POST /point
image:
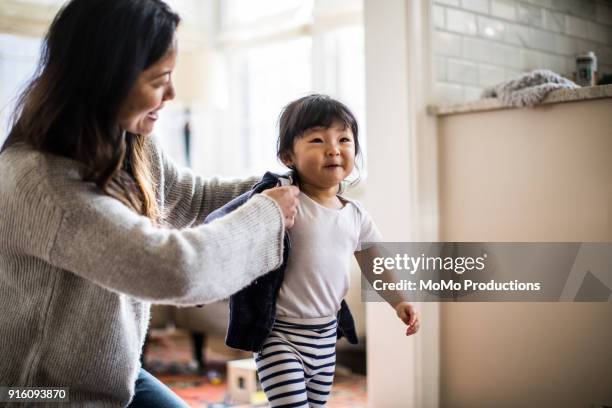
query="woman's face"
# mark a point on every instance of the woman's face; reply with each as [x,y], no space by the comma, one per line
[140,110]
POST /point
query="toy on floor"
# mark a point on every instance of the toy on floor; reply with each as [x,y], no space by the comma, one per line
[214,377]
[242,383]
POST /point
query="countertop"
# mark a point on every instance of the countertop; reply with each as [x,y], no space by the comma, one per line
[559,96]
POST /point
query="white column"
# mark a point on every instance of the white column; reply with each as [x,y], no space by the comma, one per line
[401,191]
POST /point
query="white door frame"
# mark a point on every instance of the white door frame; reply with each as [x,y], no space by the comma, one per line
[401,191]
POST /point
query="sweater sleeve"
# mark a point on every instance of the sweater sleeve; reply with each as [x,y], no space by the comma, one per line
[103,241]
[187,198]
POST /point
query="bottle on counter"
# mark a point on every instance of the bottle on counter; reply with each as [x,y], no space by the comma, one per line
[586,69]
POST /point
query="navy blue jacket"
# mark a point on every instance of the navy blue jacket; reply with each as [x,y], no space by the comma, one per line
[253,309]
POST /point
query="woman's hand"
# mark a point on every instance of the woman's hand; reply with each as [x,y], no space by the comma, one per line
[407,314]
[286,198]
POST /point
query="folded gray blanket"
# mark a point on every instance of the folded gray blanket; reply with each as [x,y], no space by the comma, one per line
[528,89]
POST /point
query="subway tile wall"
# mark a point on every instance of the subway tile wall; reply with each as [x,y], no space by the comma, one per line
[480,43]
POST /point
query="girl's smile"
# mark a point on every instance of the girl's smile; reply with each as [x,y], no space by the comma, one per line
[333,166]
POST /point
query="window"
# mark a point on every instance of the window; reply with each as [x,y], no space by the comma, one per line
[242,61]
[18,59]
[268,53]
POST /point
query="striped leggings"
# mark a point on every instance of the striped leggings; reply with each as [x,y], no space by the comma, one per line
[297,362]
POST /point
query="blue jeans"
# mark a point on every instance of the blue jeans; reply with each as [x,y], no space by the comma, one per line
[150,392]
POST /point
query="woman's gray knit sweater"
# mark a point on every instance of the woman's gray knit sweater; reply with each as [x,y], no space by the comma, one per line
[79,270]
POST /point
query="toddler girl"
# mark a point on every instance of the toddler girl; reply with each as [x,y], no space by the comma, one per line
[292,317]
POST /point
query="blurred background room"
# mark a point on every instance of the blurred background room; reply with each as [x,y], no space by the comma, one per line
[440,163]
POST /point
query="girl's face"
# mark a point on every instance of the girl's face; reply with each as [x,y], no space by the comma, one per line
[324,157]
[140,110]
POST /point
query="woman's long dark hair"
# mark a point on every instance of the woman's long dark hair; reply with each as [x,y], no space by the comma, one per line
[92,56]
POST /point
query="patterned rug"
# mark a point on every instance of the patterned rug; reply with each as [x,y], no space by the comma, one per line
[168,357]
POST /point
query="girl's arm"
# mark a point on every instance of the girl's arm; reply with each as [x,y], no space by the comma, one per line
[404,309]
[188,198]
[365,255]
[365,259]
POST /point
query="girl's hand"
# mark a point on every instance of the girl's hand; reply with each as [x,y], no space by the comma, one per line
[407,314]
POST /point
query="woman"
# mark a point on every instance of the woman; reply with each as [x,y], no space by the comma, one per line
[97,222]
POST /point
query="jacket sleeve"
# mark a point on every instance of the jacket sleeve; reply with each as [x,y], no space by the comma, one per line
[228,208]
[103,241]
[186,197]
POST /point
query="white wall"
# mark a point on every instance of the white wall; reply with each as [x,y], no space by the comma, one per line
[478,43]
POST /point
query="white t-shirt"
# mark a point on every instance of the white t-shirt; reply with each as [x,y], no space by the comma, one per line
[323,241]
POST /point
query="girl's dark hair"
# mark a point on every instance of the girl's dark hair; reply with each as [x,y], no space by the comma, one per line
[91,57]
[311,111]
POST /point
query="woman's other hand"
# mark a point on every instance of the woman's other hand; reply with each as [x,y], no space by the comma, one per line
[287,199]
